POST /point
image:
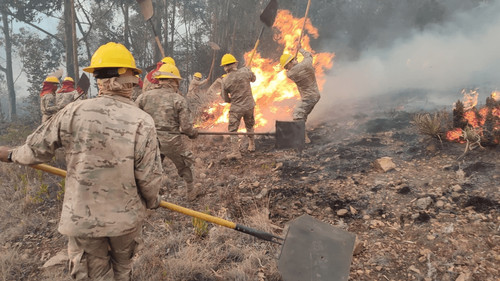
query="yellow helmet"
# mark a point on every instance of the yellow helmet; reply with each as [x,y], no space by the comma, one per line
[197,74]
[69,79]
[285,59]
[168,60]
[168,71]
[224,75]
[51,79]
[112,55]
[227,59]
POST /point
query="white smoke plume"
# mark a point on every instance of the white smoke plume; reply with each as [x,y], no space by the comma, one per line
[440,61]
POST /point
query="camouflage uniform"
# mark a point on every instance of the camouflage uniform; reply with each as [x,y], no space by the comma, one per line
[64,98]
[237,91]
[170,113]
[48,106]
[196,99]
[303,74]
[114,173]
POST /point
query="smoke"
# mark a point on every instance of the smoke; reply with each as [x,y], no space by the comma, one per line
[440,60]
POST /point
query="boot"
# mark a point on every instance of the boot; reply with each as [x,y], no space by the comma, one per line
[251,144]
[235,149]
[307,140]
[191,192]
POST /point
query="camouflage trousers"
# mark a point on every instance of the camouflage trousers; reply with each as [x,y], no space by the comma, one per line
[303,109]
[235,119]
[102,258]
[45,117]
[172,147]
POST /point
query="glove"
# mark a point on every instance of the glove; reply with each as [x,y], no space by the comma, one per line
[194,134]
[154,204]
[4,154]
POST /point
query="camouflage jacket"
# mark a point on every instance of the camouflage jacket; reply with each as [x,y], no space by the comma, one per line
[114,169]
[169,110]
[48,104]
[63,99]
[304,76]
[194,87]
[236,89]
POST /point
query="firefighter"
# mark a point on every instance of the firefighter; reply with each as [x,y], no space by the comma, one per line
[67,93]
[171,115]
[114,170]
[149,81]
[137,91]
[237,91]
[195,97]
[304,76]
[48,104]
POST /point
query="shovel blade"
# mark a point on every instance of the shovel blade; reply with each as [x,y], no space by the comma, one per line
[146,7]
[269,14]
[290,134]
[83,83]
[315,251]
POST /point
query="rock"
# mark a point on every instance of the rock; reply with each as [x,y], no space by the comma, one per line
[59,258]
[423,203]
[414,269]
[456,188]
[255,184]
[314,189]
[353,211]
[439,204]
[278,166]
[202,175]
[262,193]
[385,164]
[342,212]
[359,246]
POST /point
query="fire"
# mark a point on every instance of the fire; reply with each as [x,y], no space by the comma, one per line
[275,95]
[485,121]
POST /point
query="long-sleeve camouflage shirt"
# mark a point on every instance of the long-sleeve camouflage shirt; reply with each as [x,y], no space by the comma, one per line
[304,76]
[63,99]
[114,169]
[194,87]
[168,108]
[48,104]
[236,89]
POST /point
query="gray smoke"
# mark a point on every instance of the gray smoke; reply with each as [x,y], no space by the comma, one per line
[439,61]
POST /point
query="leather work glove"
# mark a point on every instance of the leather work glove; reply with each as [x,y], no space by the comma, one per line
[5,154]
[194,134]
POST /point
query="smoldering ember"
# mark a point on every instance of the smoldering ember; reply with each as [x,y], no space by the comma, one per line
[393,175]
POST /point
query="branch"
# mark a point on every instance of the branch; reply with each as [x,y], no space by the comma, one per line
[3,69]
[32,25]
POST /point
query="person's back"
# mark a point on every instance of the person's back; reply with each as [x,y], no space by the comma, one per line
[100,137]
[237,84]
[304,76]
[165,106]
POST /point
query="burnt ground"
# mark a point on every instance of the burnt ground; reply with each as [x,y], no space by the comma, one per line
[433,217]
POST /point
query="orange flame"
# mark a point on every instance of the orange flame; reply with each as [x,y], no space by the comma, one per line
[275,95]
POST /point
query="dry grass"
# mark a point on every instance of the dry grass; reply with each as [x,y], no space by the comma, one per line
[224,254]
[433,125]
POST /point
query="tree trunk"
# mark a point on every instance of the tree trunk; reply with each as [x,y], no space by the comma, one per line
[172,28]
[74,42]
[68,39]
[8,69]
[125,8]
[165,27]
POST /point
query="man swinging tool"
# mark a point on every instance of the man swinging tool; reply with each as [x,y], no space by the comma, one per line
[114,168]
[303,74]
[237,91]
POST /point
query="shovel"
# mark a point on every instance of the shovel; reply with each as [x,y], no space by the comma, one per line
[311,250]
[288,134]
[215,48]
[147,11]
[303,26]
[83,85]
[267,17]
